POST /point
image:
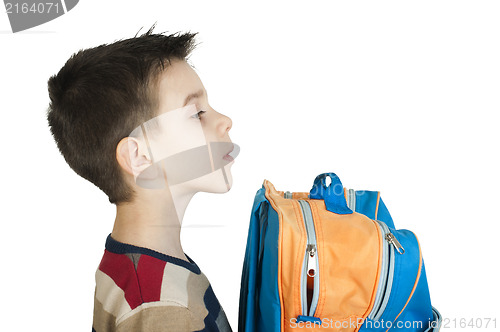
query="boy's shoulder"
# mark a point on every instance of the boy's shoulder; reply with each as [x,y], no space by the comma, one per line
[132,282]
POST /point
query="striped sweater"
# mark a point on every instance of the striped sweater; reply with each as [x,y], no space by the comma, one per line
[139,289]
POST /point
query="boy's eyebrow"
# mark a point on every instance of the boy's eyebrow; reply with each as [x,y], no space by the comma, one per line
[193,95]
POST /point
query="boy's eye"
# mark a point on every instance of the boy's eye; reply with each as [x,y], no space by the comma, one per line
[198,115]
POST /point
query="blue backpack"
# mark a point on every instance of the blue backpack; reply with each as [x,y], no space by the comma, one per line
[331,258]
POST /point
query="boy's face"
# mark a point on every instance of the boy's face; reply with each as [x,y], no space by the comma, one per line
[188,142]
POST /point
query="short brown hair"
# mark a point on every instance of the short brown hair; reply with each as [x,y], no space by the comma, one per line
[101,94]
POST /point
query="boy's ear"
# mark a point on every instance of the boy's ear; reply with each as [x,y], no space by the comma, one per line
[132,156]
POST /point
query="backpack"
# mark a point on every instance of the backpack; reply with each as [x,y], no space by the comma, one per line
[331,258]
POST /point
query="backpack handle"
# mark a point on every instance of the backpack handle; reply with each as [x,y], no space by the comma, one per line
[333,194]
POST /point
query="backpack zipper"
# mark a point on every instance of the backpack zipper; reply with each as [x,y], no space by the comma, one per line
[310,264]
[391,244]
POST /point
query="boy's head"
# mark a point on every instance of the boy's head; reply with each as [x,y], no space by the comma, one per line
[102,94]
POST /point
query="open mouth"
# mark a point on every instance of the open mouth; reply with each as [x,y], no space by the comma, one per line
[228,156]
[223,153]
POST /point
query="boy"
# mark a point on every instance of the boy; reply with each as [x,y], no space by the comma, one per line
[133,118]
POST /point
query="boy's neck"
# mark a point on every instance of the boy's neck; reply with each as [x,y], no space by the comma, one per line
[152,222]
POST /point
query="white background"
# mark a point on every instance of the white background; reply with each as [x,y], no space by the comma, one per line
[395,96]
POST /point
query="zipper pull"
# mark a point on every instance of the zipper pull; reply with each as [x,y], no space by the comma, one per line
[311,260]
[392,240]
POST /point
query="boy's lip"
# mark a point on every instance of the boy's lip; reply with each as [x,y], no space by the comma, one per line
[227,156]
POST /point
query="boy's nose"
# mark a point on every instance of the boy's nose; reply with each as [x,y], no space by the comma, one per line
[225,124]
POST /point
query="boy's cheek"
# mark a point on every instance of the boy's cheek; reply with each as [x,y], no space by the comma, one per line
[174,132]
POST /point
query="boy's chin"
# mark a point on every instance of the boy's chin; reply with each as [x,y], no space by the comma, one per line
[220,188]
[217,182]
